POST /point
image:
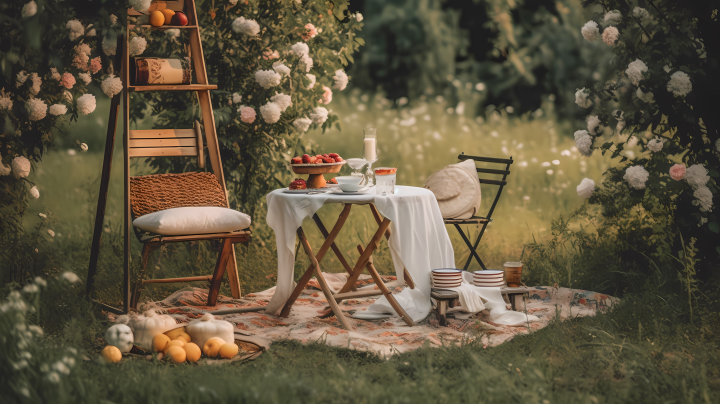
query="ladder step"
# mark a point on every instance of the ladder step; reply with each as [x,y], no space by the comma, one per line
[174,87]
[361,293]
[175,280]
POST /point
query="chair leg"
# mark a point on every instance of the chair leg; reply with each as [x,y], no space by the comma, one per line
[473,248]
[442,309]
[137,287]
[220,267]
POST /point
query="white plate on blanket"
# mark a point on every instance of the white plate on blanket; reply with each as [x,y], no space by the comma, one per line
[363,315]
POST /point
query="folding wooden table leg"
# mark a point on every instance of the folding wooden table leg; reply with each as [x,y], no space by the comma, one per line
[388,233]
[365,256]
[388,295]
[334,247]
[321,281]
[321,253]
[220,267]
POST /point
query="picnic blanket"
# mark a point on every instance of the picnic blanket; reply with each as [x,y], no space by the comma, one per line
[381,336]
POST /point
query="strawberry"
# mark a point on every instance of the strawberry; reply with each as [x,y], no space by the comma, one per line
[338,159]
[333,155]
[333,181]
[296,160]
[328,160]
[306,159]
[311,160]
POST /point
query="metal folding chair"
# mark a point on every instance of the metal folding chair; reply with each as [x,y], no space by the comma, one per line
[479,220]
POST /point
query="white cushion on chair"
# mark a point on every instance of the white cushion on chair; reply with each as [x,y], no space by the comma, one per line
[193,220]
[457,190]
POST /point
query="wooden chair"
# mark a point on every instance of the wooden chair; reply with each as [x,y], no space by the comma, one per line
[479,220]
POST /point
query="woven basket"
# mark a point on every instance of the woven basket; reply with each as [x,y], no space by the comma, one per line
[151,193]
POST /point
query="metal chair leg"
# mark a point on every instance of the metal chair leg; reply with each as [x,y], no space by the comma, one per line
[473,248]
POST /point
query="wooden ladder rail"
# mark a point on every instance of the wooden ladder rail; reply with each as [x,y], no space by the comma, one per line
[202,91]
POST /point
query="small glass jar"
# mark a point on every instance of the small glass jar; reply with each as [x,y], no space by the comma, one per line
[385,180]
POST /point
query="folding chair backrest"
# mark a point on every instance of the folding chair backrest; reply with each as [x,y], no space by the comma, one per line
[501,183]
[168,143]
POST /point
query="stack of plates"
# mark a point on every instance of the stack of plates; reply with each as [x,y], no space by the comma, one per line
[446,278]
[488,278]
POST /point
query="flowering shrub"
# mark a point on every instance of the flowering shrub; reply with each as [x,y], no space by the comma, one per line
[51,53]
[653,112]
[266,59]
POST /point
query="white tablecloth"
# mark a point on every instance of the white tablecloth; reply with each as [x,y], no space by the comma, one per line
[419,240]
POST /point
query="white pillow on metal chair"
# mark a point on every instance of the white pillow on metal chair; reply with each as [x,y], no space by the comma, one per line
[457,190]
[193,220]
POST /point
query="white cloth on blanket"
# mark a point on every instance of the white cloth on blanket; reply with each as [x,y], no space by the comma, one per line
[469,295]
[419,240]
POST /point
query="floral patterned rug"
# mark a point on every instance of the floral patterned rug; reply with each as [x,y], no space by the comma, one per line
[309,320]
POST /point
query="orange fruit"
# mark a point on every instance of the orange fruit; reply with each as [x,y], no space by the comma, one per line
[168,15]
[157,18]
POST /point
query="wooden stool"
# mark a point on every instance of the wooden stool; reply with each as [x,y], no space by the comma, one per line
[446,299]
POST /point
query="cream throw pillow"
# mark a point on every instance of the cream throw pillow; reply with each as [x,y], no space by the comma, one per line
[457,190]
[193,220]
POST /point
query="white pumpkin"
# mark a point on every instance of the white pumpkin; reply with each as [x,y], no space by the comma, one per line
[207,327]
[120,336]
[148,325]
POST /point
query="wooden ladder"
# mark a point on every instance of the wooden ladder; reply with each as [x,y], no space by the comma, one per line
[202,90]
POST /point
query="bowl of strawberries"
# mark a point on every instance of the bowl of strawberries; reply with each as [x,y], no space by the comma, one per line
[316,166]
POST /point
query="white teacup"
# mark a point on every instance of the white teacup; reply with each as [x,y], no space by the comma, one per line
[350,187]
[348,179]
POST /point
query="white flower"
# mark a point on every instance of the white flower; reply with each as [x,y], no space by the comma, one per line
[6,103]
[140,5]
[696,175]
[302,124]
[280,67]
[312,81]
[590,31]
[247,27]
[613,17]
[29,9]
[307,61]
[76,29]
[283,101]
[70,277]
[113,19]
[635,70]
[173,33]
[35,329]
[656,144]
[55,74]
[36,83]
[92,32]
[67,96]
[358,17]
[51,233]
[586,188]
[648,97]
[61,368]
[53,377]
[641,13]
[593,123]
[583,142]
[34,192]
[233,2]
[270,112]
[610,35]
[300,49]
[582,98]
[318,115]
[20,78]
[86,104]
[83,48]
[109,46]
[36,108]
[111,85]
[667,68]
[4,170]
[236,98]
[42,215]
[84,147]
[31,288]
[247,114]
[341,80]
[679,84]
[267,78]
[704,198]
[21,167]
[85,77]
[137,46]
[636,176]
